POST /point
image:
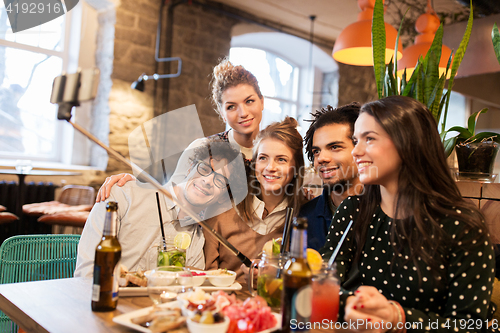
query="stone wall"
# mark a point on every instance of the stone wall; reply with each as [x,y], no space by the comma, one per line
[134,47]
[200,38]
[356,84]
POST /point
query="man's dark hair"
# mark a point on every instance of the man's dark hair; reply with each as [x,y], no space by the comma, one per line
[218,149]
[328,115]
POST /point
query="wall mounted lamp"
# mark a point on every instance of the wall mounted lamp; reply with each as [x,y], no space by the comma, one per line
[139,84]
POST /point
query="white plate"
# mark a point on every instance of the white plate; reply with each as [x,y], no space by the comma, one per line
[143,291]
[125,319]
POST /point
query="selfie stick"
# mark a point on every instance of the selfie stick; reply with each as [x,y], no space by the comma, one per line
[60,97]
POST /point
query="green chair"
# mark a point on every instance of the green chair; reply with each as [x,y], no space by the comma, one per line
[35,257]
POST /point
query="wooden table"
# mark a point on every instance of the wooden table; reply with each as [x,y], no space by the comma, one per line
[64,306]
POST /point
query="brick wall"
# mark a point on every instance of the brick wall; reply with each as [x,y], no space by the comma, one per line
[356,84]
[200,38]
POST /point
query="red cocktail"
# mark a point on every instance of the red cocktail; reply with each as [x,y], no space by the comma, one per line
[325,296]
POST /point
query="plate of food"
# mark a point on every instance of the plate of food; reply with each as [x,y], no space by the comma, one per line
[158,318]
[135,283]
[217,312]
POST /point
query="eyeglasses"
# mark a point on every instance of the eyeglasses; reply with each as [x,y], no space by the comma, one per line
[206,170]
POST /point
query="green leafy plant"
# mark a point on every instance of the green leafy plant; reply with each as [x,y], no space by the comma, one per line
[468,134]
[495,38]
[425,84]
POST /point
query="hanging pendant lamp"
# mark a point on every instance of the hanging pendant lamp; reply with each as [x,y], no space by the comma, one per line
[354,44]
[426,25]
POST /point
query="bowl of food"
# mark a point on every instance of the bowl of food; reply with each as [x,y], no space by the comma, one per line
[221,277]
[193,301]
[208,322]
[198,277]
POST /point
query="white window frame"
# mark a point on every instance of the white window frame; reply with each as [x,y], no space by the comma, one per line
[69,56]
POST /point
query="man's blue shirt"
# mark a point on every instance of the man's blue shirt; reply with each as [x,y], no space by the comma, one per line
[319,216]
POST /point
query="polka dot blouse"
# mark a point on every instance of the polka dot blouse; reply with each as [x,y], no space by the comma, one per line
[465,297]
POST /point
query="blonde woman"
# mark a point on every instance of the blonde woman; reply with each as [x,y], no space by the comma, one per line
[275,181]
[238,100]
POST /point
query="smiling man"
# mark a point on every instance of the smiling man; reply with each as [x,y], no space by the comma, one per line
[213,168]
[328,144]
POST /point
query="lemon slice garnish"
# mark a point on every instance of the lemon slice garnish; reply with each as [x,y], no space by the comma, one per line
[182,240]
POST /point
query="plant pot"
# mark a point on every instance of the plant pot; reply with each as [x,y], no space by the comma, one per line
[476,159]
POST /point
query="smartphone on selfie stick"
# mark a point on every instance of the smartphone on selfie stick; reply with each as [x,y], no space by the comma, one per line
[68,90]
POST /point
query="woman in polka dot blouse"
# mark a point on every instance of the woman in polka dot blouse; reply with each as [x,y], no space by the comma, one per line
[417,257]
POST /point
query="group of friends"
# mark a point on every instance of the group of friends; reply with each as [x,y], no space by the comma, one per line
[417,255]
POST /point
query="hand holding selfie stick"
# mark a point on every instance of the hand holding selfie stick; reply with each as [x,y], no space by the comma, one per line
[68,91]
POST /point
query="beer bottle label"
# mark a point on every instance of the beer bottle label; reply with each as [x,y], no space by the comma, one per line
[96,287]
[116,276]
[301,307]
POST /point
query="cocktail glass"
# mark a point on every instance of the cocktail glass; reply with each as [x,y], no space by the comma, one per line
[325,294]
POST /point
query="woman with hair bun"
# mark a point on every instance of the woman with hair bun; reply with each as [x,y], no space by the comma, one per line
[239,102]
[275,181]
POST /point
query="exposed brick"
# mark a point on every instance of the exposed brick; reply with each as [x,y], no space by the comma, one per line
[141,8]
[143,56]
[185,36]
[148,25]
[192,53]
[120,49]
[125,19]
[356,84]
[211,56]
[128,72]
[201,38]
[134,36]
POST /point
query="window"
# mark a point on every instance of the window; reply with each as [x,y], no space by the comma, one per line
[29,61]
[278,81]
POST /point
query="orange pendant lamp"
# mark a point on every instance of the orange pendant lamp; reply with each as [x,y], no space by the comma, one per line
[426,25]
[354,44]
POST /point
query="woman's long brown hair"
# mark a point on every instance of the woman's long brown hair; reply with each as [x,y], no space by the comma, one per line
[427,192]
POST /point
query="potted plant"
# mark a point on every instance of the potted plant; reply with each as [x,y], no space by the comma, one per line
[425,83]
[476,152]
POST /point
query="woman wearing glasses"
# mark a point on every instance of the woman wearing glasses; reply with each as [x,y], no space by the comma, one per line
[239,102]
[275,181]
[417,256]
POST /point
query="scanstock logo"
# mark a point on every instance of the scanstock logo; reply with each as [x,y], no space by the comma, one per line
[25,14]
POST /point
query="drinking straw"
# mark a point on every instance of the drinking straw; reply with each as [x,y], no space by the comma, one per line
[161,222]
[334,254]
[285,241]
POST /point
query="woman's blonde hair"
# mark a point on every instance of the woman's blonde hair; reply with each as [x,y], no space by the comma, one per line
[226,75]
[286,132]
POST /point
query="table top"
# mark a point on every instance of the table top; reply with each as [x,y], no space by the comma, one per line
[39,172]
[64,305]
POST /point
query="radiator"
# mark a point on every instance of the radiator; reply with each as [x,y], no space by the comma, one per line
[34,192]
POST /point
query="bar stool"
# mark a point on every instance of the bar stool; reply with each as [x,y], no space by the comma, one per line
[74,219]
[6,217]
[72,208]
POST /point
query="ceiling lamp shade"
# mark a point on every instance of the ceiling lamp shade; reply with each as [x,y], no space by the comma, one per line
[426,25]
[354,44]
